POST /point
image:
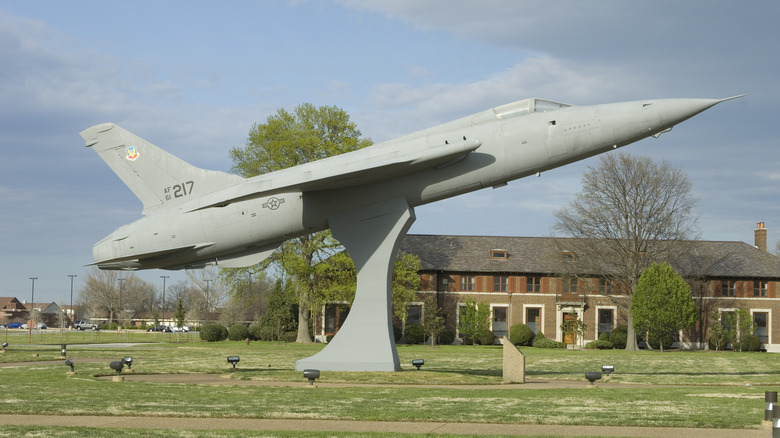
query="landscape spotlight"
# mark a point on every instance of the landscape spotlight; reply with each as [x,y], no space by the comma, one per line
[117,365]
[593,376]
[418,363]
[608,369]
[311,375]
[5,345]
[233,360]
[69,362]
[64,350]
[127,360]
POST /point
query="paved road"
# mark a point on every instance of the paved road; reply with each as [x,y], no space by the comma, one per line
[372,426]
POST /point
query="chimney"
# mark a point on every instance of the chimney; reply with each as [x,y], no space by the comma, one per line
[761,236]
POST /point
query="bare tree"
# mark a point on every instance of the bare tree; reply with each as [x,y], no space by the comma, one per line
[631,212]
[210,290]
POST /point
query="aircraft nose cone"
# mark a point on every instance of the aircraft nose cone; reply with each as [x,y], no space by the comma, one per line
[677,110]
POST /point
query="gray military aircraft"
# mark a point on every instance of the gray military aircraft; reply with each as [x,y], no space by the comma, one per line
[195,217]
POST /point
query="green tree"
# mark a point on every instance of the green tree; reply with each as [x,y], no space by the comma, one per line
[432,321]
[405,284]
[179,315]
[631,212]
[279,317]
[288,139]
[662,303]
[474,320]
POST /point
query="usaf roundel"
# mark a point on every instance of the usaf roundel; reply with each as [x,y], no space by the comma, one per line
[131,153]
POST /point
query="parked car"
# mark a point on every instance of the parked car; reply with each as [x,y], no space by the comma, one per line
[38,326]
[182,329]
[15,325]
[160,328]
[85,325]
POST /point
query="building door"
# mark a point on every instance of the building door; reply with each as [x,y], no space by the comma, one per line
[499,321]
[569,338]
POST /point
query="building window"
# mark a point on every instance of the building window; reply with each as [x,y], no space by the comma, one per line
[533,318]
[499,321]
[499,254]
[335,314]
[728,288]
[500,283]
[570,286]
[414,314]
[606,318]
[605,286]
[760,320]
[533,284]
[760,288]
[467,283]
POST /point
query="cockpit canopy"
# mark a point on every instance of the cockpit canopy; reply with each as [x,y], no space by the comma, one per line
[528,106]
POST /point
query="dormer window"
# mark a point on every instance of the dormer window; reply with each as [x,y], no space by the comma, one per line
[499,254]
[567,255]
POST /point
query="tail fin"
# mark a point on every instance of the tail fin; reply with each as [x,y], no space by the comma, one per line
[156,177]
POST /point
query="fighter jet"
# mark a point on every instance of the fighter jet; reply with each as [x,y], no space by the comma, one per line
[195,217]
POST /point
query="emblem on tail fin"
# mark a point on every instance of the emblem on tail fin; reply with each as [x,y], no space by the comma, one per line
[131,153]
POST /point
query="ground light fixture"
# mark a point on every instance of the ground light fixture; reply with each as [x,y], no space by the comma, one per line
[233,360]
[69,363]
[117,366]
[418,363]
[592,376]
[127,360]
[312,375]
[5,345]
[608,369]
[63,350]
[770,398]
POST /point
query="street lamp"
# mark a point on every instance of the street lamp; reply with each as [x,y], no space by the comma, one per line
[72,313]
[163,302]
[121,283]
[32,300]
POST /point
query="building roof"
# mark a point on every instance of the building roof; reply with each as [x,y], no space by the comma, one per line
[537,255]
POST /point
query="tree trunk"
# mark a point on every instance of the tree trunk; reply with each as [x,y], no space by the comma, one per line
[631,344]
[303,323]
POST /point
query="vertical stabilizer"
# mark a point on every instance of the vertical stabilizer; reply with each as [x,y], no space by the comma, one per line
[156,177]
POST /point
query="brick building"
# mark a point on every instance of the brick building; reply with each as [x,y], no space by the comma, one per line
[519,278]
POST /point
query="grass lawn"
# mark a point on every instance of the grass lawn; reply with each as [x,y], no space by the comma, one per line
[677,389]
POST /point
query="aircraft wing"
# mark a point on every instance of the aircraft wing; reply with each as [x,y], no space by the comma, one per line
[356,168]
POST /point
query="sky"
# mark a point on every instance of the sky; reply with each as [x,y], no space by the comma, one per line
[193,77]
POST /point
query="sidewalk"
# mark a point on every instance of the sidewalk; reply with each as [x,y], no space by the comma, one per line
[488,429]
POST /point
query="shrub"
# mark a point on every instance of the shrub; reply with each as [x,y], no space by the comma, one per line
[750,342]
[415,334]
[548,343]
[289,336]
[619,337]
[446,337]
[540,341]
[255,332]
[486,337]
[213,332]
[237,332]
[521,335]
[599,345]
